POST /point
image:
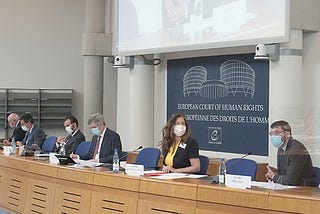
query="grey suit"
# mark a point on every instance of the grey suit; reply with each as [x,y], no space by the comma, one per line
[36,136]
[294,165]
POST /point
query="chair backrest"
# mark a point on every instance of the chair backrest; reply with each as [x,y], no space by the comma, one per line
[240,166]
[316,172]
[149,157]
[83,148]
[49,144]
[204,163]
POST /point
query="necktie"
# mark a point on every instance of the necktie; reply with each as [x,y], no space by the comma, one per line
[68,138]
[96,147]
[28,138]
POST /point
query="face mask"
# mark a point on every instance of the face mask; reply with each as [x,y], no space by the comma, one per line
[69,129]
[24,128]
[179,130]
[95,131]
[276,141]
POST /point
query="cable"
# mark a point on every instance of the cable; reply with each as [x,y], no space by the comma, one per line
[155,61]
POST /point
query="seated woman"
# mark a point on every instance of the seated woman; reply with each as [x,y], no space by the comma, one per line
[180,151]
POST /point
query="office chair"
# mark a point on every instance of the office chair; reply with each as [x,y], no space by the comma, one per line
[49,144]
[316,172]
[83,148]
[204,163]
[240,166]
[149,157]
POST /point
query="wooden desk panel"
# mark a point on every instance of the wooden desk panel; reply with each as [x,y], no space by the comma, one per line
[3,184]
[40,195]
[15,189]
[117,181]
[41,167]
[97,191]
[72,197]
[75,175]
[108,200]
[234,197]
[300,200]
[209,208]
[168,188]
[155,204]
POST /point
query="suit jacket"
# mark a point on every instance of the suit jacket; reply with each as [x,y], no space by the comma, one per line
[18,133]
[36,136]
[111,140]
[295,165]
[72,142]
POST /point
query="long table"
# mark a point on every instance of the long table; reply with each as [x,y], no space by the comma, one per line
[30,185]
[213,167]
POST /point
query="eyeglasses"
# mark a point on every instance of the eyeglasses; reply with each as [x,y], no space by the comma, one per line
[275,133]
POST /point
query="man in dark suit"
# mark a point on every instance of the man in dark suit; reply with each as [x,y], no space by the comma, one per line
[294,165]
[34,134]
[104,141]
[14,122]
[74,138]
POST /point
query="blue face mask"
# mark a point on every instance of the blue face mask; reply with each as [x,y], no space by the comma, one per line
[95,131]
[276,141]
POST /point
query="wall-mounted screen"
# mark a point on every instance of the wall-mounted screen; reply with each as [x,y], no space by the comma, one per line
[159,26]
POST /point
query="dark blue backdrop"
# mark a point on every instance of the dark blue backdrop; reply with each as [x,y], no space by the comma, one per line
[235,122]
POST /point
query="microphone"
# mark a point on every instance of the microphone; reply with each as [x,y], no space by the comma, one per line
[124,156]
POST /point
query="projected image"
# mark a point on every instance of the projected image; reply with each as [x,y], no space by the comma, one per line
[157,26]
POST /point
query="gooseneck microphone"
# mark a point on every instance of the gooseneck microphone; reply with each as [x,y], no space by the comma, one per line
[124,156]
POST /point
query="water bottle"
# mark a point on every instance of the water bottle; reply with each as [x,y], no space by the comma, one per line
[62,150]
[14,146]
[222,171]
[115,166]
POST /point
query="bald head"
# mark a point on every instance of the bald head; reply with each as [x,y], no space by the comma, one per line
[13,119]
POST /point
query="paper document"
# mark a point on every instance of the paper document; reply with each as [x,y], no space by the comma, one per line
[173,175]
[270,185]
[41,155]
[154,173]
[88,163]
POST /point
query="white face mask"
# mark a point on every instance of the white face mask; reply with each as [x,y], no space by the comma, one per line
[69,129]
[179,130]
[24,128]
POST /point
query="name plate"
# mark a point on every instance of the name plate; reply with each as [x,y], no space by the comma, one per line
[238,181]
[134,169]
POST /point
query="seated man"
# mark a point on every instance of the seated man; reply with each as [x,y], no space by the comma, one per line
[103,143]
[74,138]
[34,134]
[14,122]
[294,166]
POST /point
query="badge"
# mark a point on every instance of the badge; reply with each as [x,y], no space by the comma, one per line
[182,145]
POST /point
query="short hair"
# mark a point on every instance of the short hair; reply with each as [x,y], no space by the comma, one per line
[72,119]
[13,116]
[27,118]
[96,118]
[283,124]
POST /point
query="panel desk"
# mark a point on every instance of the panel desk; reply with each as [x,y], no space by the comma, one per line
[30,185]
[213,168]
